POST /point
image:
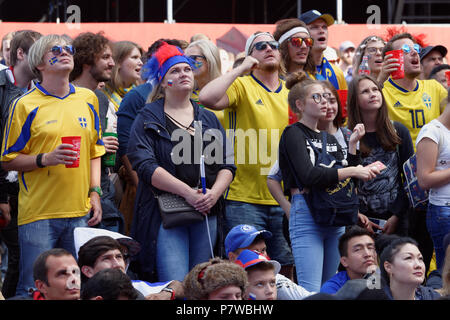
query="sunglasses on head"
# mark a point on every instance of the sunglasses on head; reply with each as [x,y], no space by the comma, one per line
[298,42]
[407,49]
[262,45]
[57,50]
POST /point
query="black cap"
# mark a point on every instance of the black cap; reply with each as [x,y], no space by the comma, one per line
[312,15]
[425,51]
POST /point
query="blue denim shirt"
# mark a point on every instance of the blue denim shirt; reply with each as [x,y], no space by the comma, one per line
[150,147]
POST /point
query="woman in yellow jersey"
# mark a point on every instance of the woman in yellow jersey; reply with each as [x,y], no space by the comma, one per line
[209,66]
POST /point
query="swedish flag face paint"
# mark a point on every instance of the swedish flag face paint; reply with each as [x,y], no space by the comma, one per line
[53,60]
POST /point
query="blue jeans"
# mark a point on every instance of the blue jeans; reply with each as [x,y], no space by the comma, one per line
[262,217]
[438,225]
[315,247]
[42,235]
[180,249]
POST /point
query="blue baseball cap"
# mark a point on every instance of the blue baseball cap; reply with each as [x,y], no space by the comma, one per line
[248,258]
[312,15]
[242,236]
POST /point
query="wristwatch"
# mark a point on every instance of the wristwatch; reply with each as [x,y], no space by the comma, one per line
[96,189]
[172,292]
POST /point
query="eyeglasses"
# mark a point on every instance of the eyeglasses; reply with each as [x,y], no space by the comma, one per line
[196,58]
[407,49]
[262,45]
[57,50]
[297,41]
[317,97]
[374,50]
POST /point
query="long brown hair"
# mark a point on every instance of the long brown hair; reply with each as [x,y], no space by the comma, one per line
[386,133]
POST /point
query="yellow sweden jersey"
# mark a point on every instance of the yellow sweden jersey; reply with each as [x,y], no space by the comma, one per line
[254,121]
[36,124]
[414,108]
[218,113]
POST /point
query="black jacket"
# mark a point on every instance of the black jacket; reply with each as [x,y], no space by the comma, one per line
[8,92]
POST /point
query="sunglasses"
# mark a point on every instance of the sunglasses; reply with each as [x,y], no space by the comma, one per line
[196,59]
[407,49]
[298,42]
[317,97]
[57,50]
[262,45]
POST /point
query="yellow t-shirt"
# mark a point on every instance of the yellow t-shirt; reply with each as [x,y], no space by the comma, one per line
[219,113]
[254,121]
[36,123]
[414,108]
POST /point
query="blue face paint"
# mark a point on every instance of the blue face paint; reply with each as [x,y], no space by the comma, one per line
[53,61]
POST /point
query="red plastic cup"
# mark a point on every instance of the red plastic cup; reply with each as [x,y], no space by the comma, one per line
[447,76]
[76,142]
[343,99]
[400,72]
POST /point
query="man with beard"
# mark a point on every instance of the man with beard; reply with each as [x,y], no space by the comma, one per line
[414,103]
[256,116]
[93,63]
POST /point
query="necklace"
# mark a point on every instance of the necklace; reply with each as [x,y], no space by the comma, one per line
[189,128]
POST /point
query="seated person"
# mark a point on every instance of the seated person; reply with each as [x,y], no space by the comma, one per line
[358,257]
[261,274]
[56,276]
[100,249]
[245,236]
[216,279]
[109,284]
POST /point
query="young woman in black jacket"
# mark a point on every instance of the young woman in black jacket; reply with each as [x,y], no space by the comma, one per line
[314,246]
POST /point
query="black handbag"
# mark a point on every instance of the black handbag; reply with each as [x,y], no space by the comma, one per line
[175,211]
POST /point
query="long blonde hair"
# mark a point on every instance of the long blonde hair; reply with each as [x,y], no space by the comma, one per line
[212,55]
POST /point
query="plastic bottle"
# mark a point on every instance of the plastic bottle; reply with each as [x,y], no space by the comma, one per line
[364,66]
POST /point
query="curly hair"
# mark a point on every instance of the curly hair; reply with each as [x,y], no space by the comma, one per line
[88,47]
[215,274]
[283,26]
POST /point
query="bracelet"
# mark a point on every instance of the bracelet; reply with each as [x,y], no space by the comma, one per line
[172,292]
[39,160]
[96,189]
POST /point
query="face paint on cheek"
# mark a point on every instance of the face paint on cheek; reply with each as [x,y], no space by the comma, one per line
[53,61]
[73,282]
[251,296]
[169,83]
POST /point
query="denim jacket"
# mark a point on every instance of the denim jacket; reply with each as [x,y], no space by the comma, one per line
[150,147]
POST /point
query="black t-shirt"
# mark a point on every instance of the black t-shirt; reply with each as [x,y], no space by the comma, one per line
[188,172]
[389,181]
[302,158]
